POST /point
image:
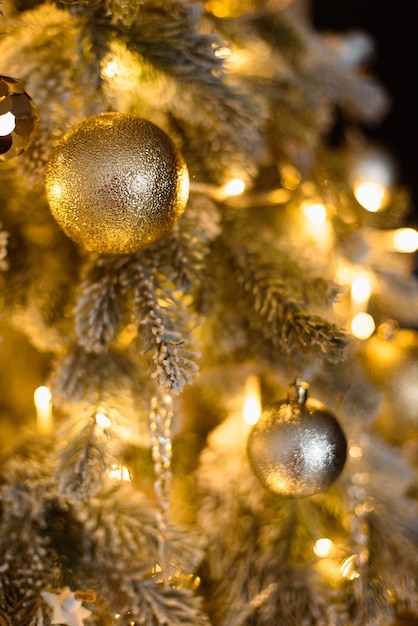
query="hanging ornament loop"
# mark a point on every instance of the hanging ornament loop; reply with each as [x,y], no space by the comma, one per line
[298,392]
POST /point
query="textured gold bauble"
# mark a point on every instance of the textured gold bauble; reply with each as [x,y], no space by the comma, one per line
[18,118]
[116,183]
[391,361]
[297,448]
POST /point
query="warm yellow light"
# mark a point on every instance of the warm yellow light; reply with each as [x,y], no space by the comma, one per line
[323,547]
[42,396]
[251,410]
[370,195]
[43,404]
[316,226]
[405,240]
[119,70]
[315,212]
[218,8]
[348,568]
[361,288]
[7,124]
[222,52]
[55,191]
[290,177]
[111,69]
[355,451]
[363,325]
[344,272]
[234,187]
[119,472]
[103,421]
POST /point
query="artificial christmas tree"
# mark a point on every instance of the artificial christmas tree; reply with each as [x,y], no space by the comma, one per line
[138,352]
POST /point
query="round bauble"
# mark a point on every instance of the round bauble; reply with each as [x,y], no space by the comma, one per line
[116,183]
[297,448]
[18,118]
[391,360]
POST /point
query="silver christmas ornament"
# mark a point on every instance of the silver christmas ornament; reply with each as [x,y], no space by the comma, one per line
[297,448]
[116,183]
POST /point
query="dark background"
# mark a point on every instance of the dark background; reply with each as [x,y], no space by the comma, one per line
[393,25]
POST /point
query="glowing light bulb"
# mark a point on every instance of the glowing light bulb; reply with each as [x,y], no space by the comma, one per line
[119,472]
[290,177]
[355,451]
[316,224]
[103,421]
[218,8]
[405,240]
[234,187]
[43,404]
[370,195]
[7,124]
[361,288]
[223,52]
[316,212]
[251,410]
[111,69]
[323,547]
[362,325]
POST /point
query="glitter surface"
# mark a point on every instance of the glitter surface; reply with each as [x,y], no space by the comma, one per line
[297,450]
[116,183]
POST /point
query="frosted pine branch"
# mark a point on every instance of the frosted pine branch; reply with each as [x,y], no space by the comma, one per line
[122,533]
[182,256]
[83,460]
[99,311]
[174,39]
[276,307]
[163,326]
[26,565]
[174,606]
[80,375]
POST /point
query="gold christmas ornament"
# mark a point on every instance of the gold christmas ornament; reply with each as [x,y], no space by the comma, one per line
[18,118]
[297,448]
[391,361]
[116,183]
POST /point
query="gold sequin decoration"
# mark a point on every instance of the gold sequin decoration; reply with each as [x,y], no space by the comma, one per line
[18,118]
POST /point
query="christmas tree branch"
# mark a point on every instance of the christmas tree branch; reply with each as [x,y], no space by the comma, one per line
[163,324]
[276,307]
[27,563]
[183,255]
[84,459]
[123,534]
[99,312]
[173,39]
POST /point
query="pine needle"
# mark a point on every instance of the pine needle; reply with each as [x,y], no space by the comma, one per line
[163,325]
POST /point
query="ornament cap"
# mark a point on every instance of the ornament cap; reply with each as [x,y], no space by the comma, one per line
[298,392]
